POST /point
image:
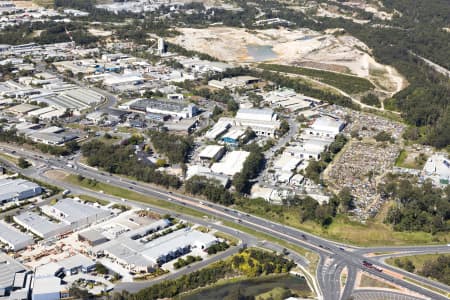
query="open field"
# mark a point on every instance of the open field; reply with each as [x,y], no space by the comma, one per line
[292,47]
[417,260]
[373,233]
[35,3]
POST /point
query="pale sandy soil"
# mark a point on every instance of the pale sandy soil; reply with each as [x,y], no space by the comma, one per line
[333,11]
[56,174]
[300,47]
[99,32]
[25,4]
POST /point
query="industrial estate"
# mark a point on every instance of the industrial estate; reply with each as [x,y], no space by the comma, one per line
[153,149]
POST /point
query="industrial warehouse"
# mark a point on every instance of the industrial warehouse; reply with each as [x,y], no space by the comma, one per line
[70,213]
[18,189]
[139,255]
[167,144]
[39,225]
[12,276]
[170,108]
[68,97]
[75,214]
[12,237]
[263,122]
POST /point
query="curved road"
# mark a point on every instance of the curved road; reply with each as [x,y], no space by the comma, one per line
[334,256]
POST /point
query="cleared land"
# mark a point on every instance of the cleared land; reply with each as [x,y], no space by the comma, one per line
[293,47]
[411,159]
[35,3]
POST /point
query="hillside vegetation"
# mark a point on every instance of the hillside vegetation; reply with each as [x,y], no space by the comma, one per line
[347,83]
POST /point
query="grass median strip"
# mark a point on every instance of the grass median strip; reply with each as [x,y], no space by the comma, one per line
[436,290]
[9,158]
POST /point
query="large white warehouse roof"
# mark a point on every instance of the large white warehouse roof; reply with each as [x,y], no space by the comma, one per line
[231,164]
[256,114]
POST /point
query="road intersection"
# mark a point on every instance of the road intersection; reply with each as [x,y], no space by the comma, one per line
[334,257]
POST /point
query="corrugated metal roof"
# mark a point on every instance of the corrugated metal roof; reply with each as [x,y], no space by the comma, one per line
[8,269]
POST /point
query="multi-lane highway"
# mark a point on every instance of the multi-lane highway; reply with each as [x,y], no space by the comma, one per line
[334,257]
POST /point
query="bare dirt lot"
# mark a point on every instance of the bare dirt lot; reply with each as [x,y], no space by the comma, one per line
[300,47]
[56,174]
[26,4]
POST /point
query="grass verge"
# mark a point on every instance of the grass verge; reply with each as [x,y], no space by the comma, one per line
[368,281]
[91,199]
[312,257]
[439,291]
[124,193]
[221,235]
[373,233]
[416,263]
[417,260]
[9,158]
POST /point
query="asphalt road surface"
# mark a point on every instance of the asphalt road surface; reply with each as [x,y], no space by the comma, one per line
[334,257]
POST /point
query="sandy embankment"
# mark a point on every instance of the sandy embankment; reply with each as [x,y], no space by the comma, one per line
[305,47]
